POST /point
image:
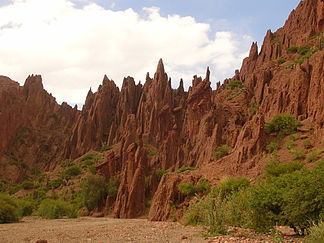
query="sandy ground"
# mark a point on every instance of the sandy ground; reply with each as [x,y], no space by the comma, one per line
[103,230]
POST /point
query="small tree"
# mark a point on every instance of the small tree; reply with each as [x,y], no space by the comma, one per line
[94,191]
[282,124]
[221,151]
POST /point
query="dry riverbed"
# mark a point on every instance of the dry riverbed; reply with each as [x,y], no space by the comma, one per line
[109,230]
[87,229]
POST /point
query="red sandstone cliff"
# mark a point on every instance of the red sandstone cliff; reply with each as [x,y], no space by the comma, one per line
[32,129]
[153,126]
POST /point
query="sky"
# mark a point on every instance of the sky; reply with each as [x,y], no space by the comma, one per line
[74,43]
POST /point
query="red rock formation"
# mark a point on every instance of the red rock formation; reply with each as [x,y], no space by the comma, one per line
[32,129]
[153,126]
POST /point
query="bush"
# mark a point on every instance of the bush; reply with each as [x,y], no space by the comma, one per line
[297,155]
[253,108]
[313,155]
[235,84]
[3,185]
[25,207]
[189,189]
[307,144]
[292,49]
[281,61]
[94,191]
[151,153]
[208,211]
[294,136]
[290,144]
[112,187]
[186,189]
[203,186]
[8,209]
[159,173]
[106,148]
[66,163]
[282,124]
[316,234]
[230,185]
[55,209]
[27,185]
[182,169]
[275,169]
[273,147]
[291,196]
[56,183]
[302,50]
[221,151]
[71,171]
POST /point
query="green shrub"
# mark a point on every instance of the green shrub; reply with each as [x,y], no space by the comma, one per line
[159,173]
[235,84]
[282,124]
[302,50]
[207,211]
[292,49]
[8,209]
[27,185]
[203,186]
[307,144]
[195,213]
[186,189]
[313,155]
[56,183]
[275,169]
[315,36]
[13,188]
[238,210]
[221,151]
[25,207]
[55,209]
[290,144]
[89,157]
[253,108]
[94,191]
[70,172]
[291,196]
[273,147]
[297,154]
[281,61]
[189,189]
[294,136]
[230,185]
[316,234]
[106,148]
[182,169]
[66,163]
[3,185]
[151,153]
[112,187]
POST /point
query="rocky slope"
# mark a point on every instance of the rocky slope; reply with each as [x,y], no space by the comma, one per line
[154,127]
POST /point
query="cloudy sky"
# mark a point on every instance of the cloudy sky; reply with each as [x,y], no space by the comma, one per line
[73,43]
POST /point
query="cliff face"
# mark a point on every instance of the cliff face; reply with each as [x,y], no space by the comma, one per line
[32,129]
[155,127]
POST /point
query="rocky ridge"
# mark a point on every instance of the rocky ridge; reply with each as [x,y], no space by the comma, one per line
[154,127]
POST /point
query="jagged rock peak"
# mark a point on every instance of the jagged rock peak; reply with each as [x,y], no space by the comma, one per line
[128,81]
[160,67]
[207,78]
[181,85]
[34,81]
[253,51]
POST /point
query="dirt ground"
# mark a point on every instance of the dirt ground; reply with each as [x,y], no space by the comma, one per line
[104,230]
[109,230]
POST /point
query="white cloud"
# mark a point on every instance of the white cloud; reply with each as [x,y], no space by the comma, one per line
[74,47]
